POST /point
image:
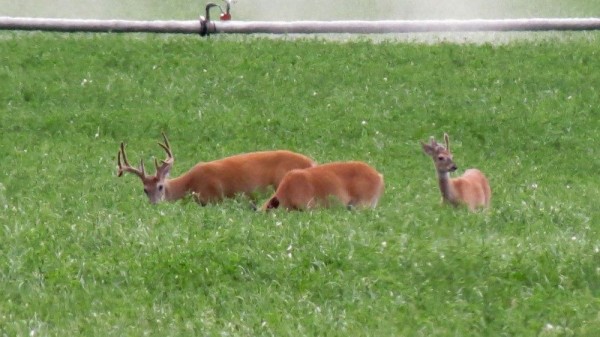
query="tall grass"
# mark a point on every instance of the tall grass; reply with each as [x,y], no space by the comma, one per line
[84,253]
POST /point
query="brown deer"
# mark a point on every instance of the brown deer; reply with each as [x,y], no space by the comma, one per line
[349,183]
[472,188]
[215,180]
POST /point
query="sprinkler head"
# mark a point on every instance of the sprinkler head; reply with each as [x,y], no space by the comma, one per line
[225,16]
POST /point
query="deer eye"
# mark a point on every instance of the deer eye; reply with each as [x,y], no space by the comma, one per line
[440,158]
[160,187]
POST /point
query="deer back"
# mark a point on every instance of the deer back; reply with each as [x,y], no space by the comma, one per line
[472,189]
[243,173]
[349,183]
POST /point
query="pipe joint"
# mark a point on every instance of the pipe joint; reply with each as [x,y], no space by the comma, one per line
[206,26]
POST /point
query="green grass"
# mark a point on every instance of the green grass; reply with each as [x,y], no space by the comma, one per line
[84,253]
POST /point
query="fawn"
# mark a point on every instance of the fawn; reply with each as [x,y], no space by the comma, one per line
[215,180]
[472,188]
[351,183]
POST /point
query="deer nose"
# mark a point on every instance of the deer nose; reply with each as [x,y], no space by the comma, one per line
[453,168]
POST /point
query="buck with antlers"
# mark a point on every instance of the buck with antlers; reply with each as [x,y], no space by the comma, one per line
[349,183]
[472,188]
[215,180]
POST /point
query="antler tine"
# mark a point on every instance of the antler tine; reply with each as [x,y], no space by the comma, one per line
[122,152]
[125,167]
[167,147]
[142,168]
[166,163]
[166,140]
[120,165]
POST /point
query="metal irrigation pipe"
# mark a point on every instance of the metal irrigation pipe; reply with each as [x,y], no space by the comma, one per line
[207,27]
[117,26]
[404,26]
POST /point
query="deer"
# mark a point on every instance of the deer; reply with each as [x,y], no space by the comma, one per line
[471,189]
[216,180]
[353,184]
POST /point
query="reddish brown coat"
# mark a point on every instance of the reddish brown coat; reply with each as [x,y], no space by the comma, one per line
[215,180]
[471,189]
[239,174]
[349,183]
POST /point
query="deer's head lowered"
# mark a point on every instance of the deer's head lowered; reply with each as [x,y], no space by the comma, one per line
[154,185]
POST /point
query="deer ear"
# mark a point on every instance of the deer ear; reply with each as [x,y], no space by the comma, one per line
[428,148]
[447,141]
[163,171]
[432,141]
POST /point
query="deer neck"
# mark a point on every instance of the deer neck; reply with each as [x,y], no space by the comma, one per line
[177,188]
[446,188]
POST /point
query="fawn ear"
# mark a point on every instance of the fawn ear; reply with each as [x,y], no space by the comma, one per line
[429,149]
[447,141]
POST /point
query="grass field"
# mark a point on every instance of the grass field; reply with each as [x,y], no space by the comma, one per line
[84,253]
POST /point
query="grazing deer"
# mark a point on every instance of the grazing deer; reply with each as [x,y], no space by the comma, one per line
[472,188]
[350,183]
[215,180]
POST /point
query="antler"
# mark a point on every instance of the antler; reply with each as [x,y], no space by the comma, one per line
[447,141]
[168,162]
[127,168]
